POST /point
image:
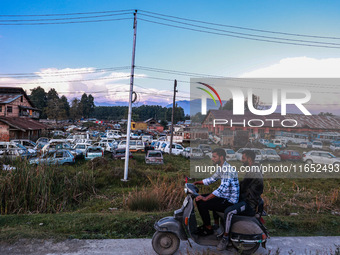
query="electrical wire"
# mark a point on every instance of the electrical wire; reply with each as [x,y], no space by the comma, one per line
[64,14]
[63,73]
[86,17]
[242,28]
[236,36]
[59,23]
[238,33]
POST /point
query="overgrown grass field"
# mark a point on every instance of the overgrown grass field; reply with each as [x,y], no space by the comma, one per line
[89,200]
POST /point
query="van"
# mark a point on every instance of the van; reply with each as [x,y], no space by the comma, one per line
[176,149]
[25,142]
[135,145]
[276,144]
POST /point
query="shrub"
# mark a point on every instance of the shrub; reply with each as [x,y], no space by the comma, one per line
[164,194]
[43,189]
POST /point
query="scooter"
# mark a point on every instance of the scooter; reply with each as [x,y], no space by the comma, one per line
[246,233]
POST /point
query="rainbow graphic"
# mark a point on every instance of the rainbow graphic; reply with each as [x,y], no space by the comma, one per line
[209,93]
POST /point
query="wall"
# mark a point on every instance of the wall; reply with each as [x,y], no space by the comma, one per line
[4,132]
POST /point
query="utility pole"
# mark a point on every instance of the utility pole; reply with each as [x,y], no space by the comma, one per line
[172,116]
[127,150]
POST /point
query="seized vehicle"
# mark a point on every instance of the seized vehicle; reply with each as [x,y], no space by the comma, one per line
[176,149]
[120,154]
[276,144]
[94,152]
[193,153]
[135,145]
[258,154]
[205,148]
[290,155]
[154,157]
[320,157]
[25,142]
[271,155]
[54,157]
[317,145]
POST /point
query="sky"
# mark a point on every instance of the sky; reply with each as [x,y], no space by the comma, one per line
[95,57]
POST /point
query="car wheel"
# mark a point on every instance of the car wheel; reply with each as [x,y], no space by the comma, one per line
[309,161]
[66,164]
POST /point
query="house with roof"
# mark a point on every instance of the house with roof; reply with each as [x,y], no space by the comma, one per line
[18,116]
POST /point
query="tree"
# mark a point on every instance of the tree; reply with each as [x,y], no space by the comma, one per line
[164,123]
[39,98]
[326,114]
[65,105]
[52,94]
[75,110]
[55,109]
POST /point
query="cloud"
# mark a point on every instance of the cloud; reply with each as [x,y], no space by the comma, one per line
[325,92]
[298,67]
[105,86]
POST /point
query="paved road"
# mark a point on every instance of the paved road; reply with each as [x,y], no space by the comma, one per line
[276,246]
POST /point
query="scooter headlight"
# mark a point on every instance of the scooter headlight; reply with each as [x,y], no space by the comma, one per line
[185,190]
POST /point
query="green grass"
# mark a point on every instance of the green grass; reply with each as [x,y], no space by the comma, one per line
[103,212]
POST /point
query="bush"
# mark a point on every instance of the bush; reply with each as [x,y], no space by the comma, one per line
[164,194]
[43,189]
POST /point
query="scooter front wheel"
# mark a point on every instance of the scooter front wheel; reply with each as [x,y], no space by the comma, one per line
[246,249]
[165,243]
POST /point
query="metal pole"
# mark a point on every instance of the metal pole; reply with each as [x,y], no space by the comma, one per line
[127,150]
[172,116]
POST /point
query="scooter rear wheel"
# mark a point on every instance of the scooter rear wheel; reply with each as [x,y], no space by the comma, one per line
[248,228]
[165,243]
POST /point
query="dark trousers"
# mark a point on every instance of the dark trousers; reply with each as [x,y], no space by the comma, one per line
[241,208]
[215,204]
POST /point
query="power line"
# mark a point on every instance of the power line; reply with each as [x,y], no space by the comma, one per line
[63,73]
[236,36]
[238,33]
[58,23]
[86,17]
[63,14]
[243,28]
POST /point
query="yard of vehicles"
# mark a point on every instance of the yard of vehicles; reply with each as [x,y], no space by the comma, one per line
[112,142]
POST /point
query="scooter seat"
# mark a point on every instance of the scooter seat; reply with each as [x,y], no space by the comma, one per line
[237,218]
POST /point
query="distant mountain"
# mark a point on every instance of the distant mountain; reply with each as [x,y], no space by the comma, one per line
[119,103]
[185,104]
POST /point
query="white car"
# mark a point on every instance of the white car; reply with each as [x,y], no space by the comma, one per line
[193,153]
[258,154]
[81,147]
[107,146]
[176,149]
[135,145]
[317,145]
[320,157]
[305,145]
[25,142]
[230,154]
[335,146]
[271,155]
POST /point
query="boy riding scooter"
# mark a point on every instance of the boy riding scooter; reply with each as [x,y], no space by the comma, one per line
[251,188]
[224,196]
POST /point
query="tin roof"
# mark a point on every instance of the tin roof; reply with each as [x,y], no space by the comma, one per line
[23,124]
[9,94]
[8,98]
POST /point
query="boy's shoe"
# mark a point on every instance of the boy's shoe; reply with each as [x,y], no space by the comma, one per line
[203,231]
[223,244]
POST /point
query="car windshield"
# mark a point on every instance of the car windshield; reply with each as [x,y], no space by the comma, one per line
[155,154]
[94,150]
[21,146]
[271,152]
